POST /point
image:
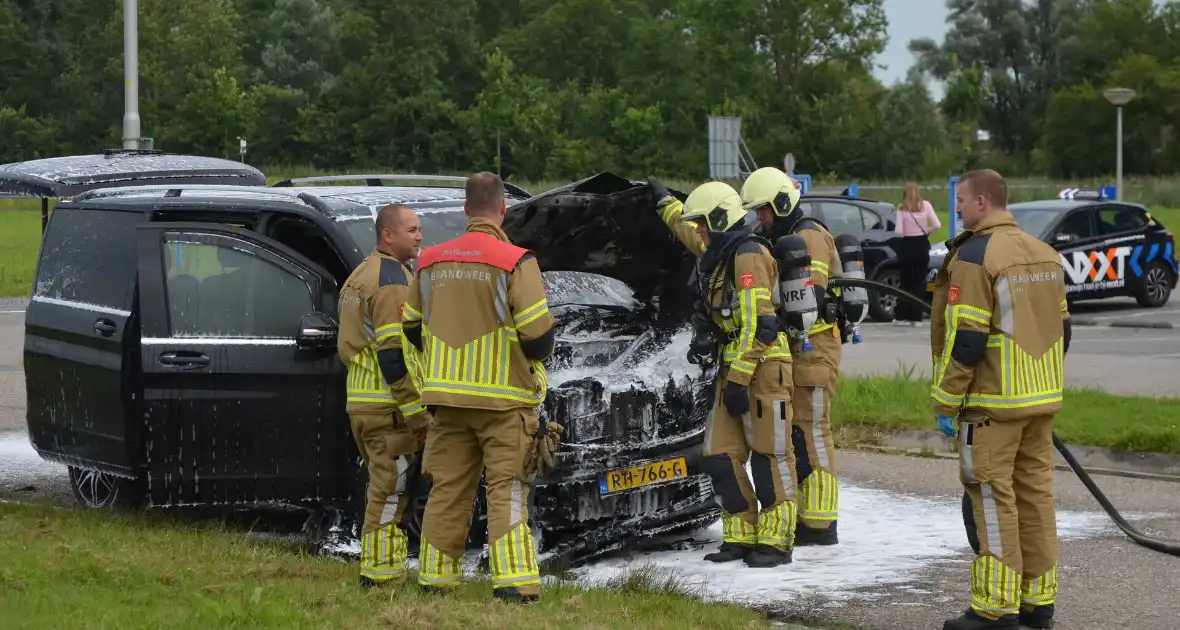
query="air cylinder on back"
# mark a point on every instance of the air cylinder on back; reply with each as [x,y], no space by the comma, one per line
[852,265]
[797,306]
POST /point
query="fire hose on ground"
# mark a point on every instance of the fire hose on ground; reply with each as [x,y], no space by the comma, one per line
[1169,547]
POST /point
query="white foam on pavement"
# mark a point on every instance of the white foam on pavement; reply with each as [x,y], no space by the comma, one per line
[885,539]
[18,460]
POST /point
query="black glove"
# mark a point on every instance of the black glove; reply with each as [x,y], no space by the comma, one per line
[703,359]
[736,399]
[658,190]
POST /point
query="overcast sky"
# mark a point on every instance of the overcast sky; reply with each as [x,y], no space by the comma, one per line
[909,19]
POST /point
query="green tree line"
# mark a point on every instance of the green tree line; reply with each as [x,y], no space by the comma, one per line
[562,88]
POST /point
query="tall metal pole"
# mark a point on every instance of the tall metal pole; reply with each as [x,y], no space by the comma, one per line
[1118,97]
[131,131]
[1118,193]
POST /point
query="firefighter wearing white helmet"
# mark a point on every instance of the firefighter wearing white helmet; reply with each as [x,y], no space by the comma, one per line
[774,196]
[750,419]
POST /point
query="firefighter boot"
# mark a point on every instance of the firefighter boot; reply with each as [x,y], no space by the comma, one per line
[1039,617]
[513,596]
[730,552]
[805,535]
[972,620]
[767,556]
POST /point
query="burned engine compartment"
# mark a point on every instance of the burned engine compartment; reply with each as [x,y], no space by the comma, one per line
[619,381]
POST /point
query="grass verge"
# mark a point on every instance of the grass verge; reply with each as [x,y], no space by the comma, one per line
[78,569]
[868,407]
[20,242]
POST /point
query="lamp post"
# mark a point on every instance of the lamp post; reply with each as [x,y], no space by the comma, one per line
[131,131]
[1119,97]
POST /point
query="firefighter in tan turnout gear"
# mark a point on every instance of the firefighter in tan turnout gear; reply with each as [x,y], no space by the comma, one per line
[775,197]
[386,411]
[737,278]
[478,311]
[999,334]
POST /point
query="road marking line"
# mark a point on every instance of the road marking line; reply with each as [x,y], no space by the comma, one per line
[1131,338]
[3,312]
[1128,315]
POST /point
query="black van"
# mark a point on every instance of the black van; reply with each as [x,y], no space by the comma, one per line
[161,382]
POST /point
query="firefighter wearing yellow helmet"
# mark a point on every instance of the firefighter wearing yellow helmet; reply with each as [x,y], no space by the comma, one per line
[774,196]
[735,276]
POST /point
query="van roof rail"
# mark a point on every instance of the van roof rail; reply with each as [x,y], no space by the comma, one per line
[380,179]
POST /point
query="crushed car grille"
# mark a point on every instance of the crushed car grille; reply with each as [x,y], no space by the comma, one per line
[580,504]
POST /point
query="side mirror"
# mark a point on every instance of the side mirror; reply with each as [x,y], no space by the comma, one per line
[316,330]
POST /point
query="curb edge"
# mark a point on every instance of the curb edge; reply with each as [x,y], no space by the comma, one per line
[1109,472]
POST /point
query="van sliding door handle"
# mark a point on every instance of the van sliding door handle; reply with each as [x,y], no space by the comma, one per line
[105,327]
[184,360]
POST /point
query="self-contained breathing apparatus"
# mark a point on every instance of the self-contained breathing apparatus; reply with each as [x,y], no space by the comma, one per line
[800,303]
[798,298]
[855,299]
[844,307]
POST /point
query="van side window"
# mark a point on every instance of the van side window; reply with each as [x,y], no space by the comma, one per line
[89,256]
[220,291]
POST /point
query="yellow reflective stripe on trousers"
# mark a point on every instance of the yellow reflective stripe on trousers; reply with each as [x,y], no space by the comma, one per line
[436,568]
[531,313]
[383,553]
[513,559]
[776,525]
[735,530]
[389,330]
[820,266]
[954,313]
[480,368]
[820,494]
[365,382]
[1041,590]
[995,589]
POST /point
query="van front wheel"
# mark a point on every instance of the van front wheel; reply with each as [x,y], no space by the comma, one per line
[97,490]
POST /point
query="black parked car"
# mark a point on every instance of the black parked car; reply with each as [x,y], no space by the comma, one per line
[872,222]
[157,382]
[1108,248]
[58,177]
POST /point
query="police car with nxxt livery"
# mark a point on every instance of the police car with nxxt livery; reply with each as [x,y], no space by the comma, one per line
[1108,248]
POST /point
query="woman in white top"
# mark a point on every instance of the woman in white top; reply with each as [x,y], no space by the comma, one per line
[916,219]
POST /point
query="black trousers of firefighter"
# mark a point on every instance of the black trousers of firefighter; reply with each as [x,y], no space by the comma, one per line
[761,436]
[1007,471]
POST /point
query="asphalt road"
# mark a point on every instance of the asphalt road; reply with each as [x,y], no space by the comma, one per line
[1130,361]
[1106,581]
[1127,311]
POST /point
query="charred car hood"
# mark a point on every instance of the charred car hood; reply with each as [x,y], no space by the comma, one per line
[617,281]
[607,225]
